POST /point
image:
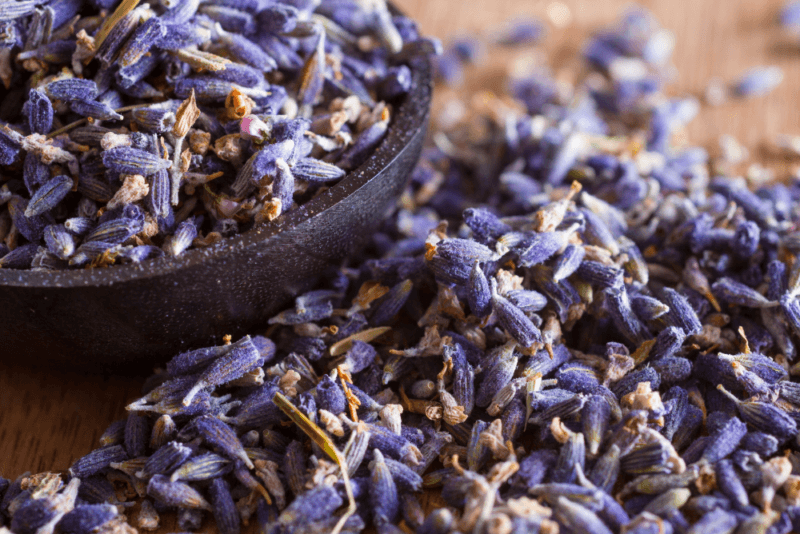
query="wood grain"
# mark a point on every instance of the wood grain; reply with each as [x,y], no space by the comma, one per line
[715,38]
[49,419]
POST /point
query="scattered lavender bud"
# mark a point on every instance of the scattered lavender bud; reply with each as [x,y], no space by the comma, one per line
[205,466]
[496,313]
[224,508]
[220,436]
[758,81]
[97,460]
[383,491]
[175,493]
[165,459]
[86,517]
[49,195]
[71,89]
[311,506]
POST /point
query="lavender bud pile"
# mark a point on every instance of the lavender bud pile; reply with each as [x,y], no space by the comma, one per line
[575,321]
[132,131]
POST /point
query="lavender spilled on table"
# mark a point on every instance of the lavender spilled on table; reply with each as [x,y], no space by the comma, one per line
[574,322]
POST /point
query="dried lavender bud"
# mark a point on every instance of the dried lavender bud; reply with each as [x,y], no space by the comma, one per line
[86,517]
[71,89]
[681,314]
[542,362]
[730,485]
[518,325]
[764,367]
[423,389]
[383,491]
[195,360]
[9,149]
[393,445]
[606,470]
[631,381]
[96,490]
[48,196]
[562,404]
[304,314]
[40,112]
[672,369]
[94,188]
[577,377]
[114,231]
[114,434]
[164,430]
[463,377]
[725,440]
[667,343]
[225,513]
[396,367]
[595,417]
[527,300]
[765,417]
[97,460]
[95,110]
[453,259]
[486,226]
[619,307]
[295,459]
[391,303]
[739,294]
[479,294]
[202,467]
[157,119]
[133,161]
[758,81]
[405,478]
[175,493]
[330,396]
[257,409]
[41,514]
[32,228]
[477,452]
[240,360]
[578,518]
[534,468]
[313,505]
[395,83]
[220,436]
[137,433]
[316,172]
[165,460]
[59,241]
[497,376]
[150,32]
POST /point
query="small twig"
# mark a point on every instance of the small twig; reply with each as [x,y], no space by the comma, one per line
[77,123]
[125,7]
[313,431]
[175,174]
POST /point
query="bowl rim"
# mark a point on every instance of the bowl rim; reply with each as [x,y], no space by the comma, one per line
[409,117]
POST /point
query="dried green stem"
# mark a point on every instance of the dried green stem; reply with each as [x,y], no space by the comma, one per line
[318,436]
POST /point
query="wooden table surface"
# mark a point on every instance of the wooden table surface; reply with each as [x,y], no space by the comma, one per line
[48,419]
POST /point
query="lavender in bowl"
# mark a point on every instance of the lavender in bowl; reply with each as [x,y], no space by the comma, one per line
[258,144]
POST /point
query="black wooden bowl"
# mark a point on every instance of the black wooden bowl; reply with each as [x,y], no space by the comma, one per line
[133,316]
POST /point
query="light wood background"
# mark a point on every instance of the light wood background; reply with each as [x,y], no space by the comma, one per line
[48,419]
